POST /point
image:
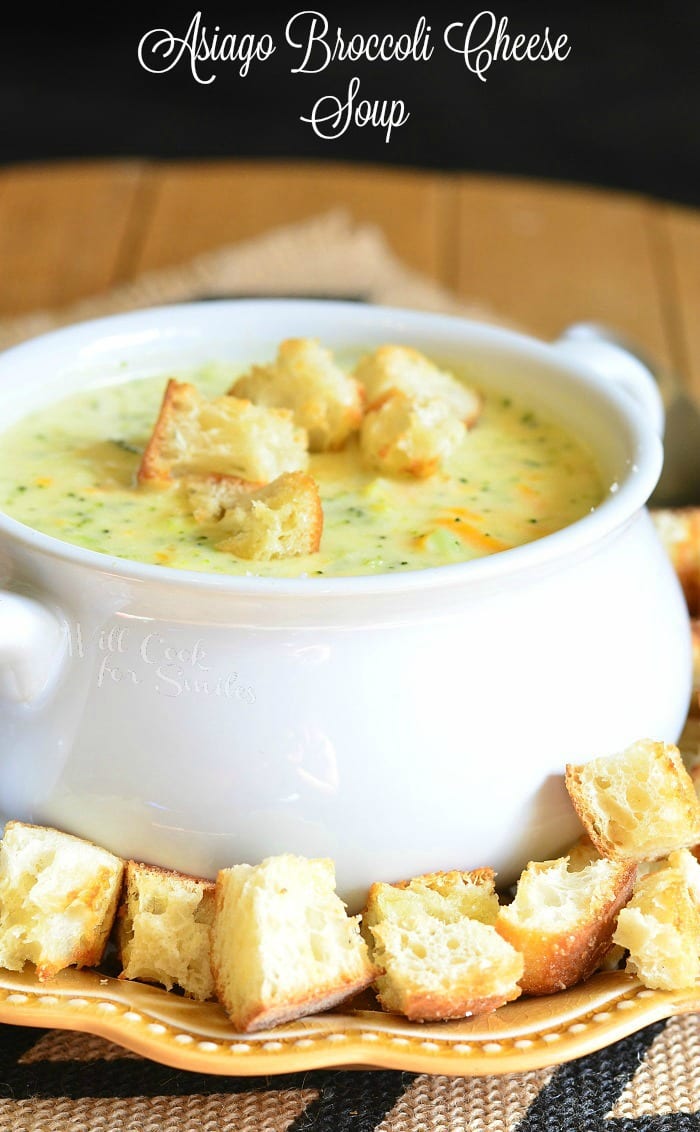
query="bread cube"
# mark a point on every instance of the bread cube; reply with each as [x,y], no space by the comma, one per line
[225,435]
[434,941]
[661,925]
[325,400]
[283,519]
[562,919]
[282,943]
[163,928]
[638,805]
[407,370]
[58,899]
[409,435]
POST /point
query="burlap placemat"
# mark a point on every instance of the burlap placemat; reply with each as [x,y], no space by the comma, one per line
[53,1081]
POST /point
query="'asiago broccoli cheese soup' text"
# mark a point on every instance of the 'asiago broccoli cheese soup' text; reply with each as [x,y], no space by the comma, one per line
[69,470]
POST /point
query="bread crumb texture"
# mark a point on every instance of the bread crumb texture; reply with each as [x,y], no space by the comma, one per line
[661,925]
[163,929]
[434,940]
[282,943]
[304,378]
[640,804]
[58,899]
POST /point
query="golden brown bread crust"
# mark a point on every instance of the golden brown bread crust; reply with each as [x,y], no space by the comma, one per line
[265,1017]
[179,397]
[555,960]
[679,530]
[459,1003]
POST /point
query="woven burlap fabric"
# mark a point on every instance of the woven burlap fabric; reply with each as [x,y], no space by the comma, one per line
[52,1081]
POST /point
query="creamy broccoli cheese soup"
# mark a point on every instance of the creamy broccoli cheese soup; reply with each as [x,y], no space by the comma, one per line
[69,470]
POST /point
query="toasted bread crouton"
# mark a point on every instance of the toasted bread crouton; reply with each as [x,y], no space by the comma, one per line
[163,928]
[434,941]
[224,435]
[405,369]
[325,400]
[679,530]
[562,920]
[283,519]
[409,435]
[638,805]
[661,925]
[58,899]
[282,943]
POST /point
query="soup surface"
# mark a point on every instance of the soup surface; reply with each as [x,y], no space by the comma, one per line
[69,470]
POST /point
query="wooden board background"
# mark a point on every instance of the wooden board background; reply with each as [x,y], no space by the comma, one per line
[541,254]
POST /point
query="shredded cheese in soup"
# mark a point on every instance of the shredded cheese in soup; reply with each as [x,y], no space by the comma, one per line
[69,470]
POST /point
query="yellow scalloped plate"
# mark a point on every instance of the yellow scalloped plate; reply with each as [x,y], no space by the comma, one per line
[527,1034]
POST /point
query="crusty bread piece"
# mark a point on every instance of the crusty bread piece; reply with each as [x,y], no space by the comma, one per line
[283,519]
[58,899]
[282,943]
[163,927]
[679,530]
[638,805]
[406,369]
[562,920]
[661,925]
[409,435]
[434,941]
[226,435]
[325,400]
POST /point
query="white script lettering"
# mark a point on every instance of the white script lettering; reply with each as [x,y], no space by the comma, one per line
[161,50]
[331,117]
[480,53]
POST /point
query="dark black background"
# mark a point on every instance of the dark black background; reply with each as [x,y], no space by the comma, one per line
[623,110]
